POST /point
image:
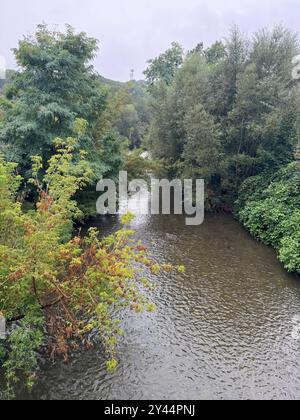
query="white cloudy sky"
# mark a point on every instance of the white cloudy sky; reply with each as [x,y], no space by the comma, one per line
[132,31]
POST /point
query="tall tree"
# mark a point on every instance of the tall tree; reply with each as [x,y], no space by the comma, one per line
[164,67]
[56,86]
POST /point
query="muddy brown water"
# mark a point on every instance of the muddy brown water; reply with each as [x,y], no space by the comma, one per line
[222,330]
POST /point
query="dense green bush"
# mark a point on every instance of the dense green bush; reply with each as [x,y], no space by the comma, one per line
[270,208]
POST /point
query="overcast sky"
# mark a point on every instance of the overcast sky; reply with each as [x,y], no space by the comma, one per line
[132,31]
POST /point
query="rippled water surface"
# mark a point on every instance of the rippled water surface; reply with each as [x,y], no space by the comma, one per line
[223,330]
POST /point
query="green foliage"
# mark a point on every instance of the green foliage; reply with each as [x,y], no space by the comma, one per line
[127,112]
[201,153]
[24,342]
[55,289]
[3,83]
[56,87]
[139,165]
[164,67]
[228,112]
[271,212]
[110,157]
[231,114]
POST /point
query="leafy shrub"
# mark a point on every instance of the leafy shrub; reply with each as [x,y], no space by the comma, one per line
[56,288]
[272,213]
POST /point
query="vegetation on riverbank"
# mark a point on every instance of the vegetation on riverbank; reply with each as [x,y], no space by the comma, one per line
[230,114]
[270,209]
[54,289]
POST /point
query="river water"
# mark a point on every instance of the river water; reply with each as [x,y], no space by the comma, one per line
[222,330]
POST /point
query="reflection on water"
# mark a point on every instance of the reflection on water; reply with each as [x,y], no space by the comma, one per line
[223,330]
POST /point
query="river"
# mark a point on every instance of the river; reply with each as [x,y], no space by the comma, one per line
[222,330]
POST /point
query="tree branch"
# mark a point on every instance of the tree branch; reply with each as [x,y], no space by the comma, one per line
[50,305]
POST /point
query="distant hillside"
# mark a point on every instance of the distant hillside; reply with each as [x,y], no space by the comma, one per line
[110,83]
[115,85]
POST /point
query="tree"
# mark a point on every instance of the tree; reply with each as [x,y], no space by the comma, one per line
[55,87]
[182,131]
[215,53]
[164,67]
[261,128]
[201,154]
[242,93]
[126,111]
[236,56]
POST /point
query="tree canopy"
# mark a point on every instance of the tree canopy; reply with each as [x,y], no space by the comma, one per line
[56,86]
[227,112]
